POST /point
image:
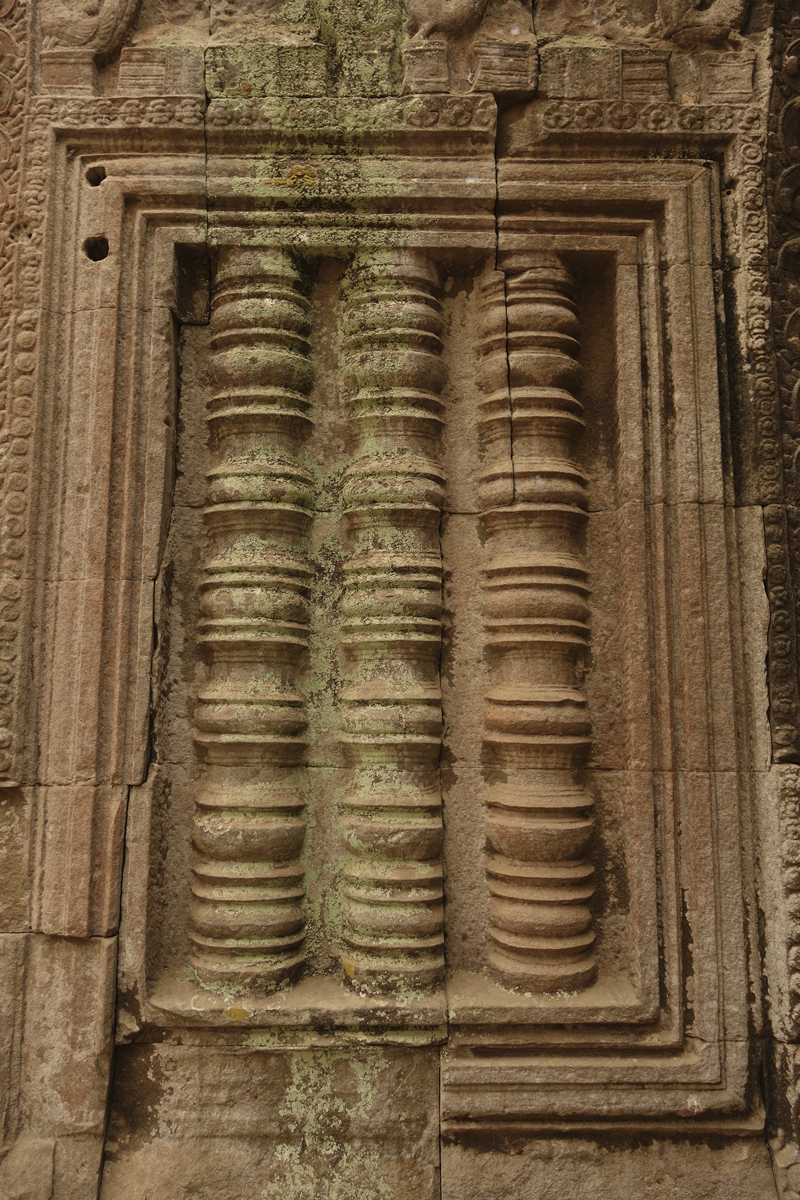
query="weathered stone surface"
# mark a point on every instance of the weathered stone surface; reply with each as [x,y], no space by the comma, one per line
[55,1087]
[12,981]
[340,1123]
[550,1168]
[26,1171]
[64,1080]
[398,469]
[17,825]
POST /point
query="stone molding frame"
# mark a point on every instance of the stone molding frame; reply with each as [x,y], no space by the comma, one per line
[99,554]
[103,498]
[779,437]
[679,516]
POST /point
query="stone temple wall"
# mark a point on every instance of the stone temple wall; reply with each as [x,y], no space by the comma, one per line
[400,586]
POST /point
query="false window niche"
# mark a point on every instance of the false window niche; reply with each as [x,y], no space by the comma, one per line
[402,682]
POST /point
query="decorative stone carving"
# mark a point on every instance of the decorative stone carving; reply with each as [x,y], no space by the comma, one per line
[778,416]
[773,332]
[469,45]
[99,25]
[684,21]
[17,372]
[535,613]
[74,44]
[425,17]
[247,916]
[393,494]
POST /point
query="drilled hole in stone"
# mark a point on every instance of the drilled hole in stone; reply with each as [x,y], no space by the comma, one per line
[96,248]
[95,176]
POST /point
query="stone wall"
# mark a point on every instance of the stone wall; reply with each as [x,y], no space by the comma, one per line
[398,659]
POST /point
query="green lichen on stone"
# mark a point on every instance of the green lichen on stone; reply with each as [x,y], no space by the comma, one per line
[312,48]
[363,40]
[227,990]
[266,70]
[329,1092]
[326,676]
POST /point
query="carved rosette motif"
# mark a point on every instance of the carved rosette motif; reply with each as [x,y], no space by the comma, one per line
[247,914]
[392,376]
[537,729]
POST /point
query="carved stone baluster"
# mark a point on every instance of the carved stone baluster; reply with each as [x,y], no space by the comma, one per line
[249,829]
[497,475]
[537,729]
[392,718]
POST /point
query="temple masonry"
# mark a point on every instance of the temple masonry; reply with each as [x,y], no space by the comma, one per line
[400,599]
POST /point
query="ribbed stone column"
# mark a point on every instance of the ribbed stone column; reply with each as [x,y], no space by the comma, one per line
[392,376]
[537,729]
[247,922]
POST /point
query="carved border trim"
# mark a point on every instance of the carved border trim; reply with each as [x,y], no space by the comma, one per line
[777,369]
[19,266]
